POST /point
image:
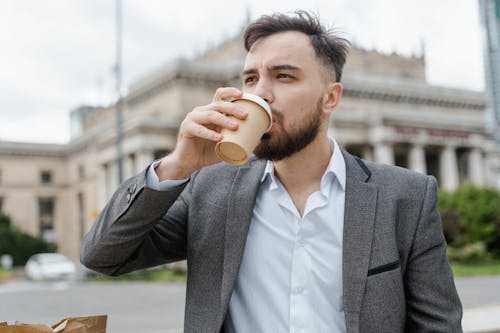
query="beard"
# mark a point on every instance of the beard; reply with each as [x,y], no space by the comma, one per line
[284,143]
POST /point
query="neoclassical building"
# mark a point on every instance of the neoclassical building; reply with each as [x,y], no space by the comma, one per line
[388,113]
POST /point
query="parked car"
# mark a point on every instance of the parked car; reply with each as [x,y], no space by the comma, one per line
[50,266]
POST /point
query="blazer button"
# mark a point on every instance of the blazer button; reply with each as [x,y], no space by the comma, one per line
[131,189]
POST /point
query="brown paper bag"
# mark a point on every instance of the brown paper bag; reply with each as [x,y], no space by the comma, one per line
[92,324]
[26,328]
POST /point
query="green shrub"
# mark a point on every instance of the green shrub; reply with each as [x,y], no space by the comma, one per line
[470,253]
[18,244]
[471,215]
[4,220]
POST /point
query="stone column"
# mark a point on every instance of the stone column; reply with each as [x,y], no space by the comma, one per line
[448,169]
[102,186]
[476,167]
[112,178]
[384,153]
[143,159]
[416,159]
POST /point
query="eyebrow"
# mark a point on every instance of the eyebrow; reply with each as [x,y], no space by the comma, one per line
[272,69]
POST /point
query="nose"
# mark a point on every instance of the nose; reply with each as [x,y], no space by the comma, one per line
[263,89]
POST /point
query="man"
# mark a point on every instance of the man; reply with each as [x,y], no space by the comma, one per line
[303,238]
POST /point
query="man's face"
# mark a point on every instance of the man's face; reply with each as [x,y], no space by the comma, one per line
[283,69]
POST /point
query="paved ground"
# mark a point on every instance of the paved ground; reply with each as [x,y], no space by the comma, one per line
[159,307]
[481,301]
[132,307]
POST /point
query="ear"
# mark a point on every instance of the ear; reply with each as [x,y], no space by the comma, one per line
[333,93]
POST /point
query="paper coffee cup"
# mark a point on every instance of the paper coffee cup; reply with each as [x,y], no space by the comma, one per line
[237,146]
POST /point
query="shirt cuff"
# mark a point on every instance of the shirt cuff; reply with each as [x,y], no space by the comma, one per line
[154,183]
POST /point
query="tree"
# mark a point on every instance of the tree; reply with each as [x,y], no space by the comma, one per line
[18,244]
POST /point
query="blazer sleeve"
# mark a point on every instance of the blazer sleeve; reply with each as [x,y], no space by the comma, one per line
[138,228]
[432,302]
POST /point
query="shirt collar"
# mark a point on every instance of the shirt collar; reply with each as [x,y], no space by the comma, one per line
[269,172]
[336,169]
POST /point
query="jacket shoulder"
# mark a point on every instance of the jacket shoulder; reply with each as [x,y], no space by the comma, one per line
[397,177]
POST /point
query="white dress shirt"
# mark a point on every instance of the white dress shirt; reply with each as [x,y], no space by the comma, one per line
[290,279]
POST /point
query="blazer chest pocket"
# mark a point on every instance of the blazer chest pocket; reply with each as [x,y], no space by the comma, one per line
[384,268]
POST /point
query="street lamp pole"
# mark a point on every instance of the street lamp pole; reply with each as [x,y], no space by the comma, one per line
[119,104]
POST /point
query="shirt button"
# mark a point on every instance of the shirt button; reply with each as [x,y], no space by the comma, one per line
[299,290]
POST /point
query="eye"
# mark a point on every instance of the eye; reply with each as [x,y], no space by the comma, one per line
[284,76]
[249,79]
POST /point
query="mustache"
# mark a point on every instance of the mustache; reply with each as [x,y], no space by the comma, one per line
[277,116]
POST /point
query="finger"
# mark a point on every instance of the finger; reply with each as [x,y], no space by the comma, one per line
[226,93]
[228,108]
[200,131]
[222,107]
[211,119]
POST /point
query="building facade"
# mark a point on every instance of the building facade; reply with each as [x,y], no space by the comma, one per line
[388,113]
[490,21]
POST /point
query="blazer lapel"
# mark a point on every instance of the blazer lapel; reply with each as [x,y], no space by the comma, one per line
[359,218]
[241,200]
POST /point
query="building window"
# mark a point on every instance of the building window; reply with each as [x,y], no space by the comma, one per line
[46,177]
[46,219]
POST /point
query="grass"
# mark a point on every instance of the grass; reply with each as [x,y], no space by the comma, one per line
[476,269]
[165,275]
[158,275]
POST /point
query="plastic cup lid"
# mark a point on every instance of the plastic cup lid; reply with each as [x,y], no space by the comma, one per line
[261,102]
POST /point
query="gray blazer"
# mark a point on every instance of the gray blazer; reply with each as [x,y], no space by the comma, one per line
[396,277]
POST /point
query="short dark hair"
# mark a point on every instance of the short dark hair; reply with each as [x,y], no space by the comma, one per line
[328,45]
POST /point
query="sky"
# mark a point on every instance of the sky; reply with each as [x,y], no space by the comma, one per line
[56,55]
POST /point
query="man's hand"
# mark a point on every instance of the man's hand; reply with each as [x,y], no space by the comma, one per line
[198,134]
